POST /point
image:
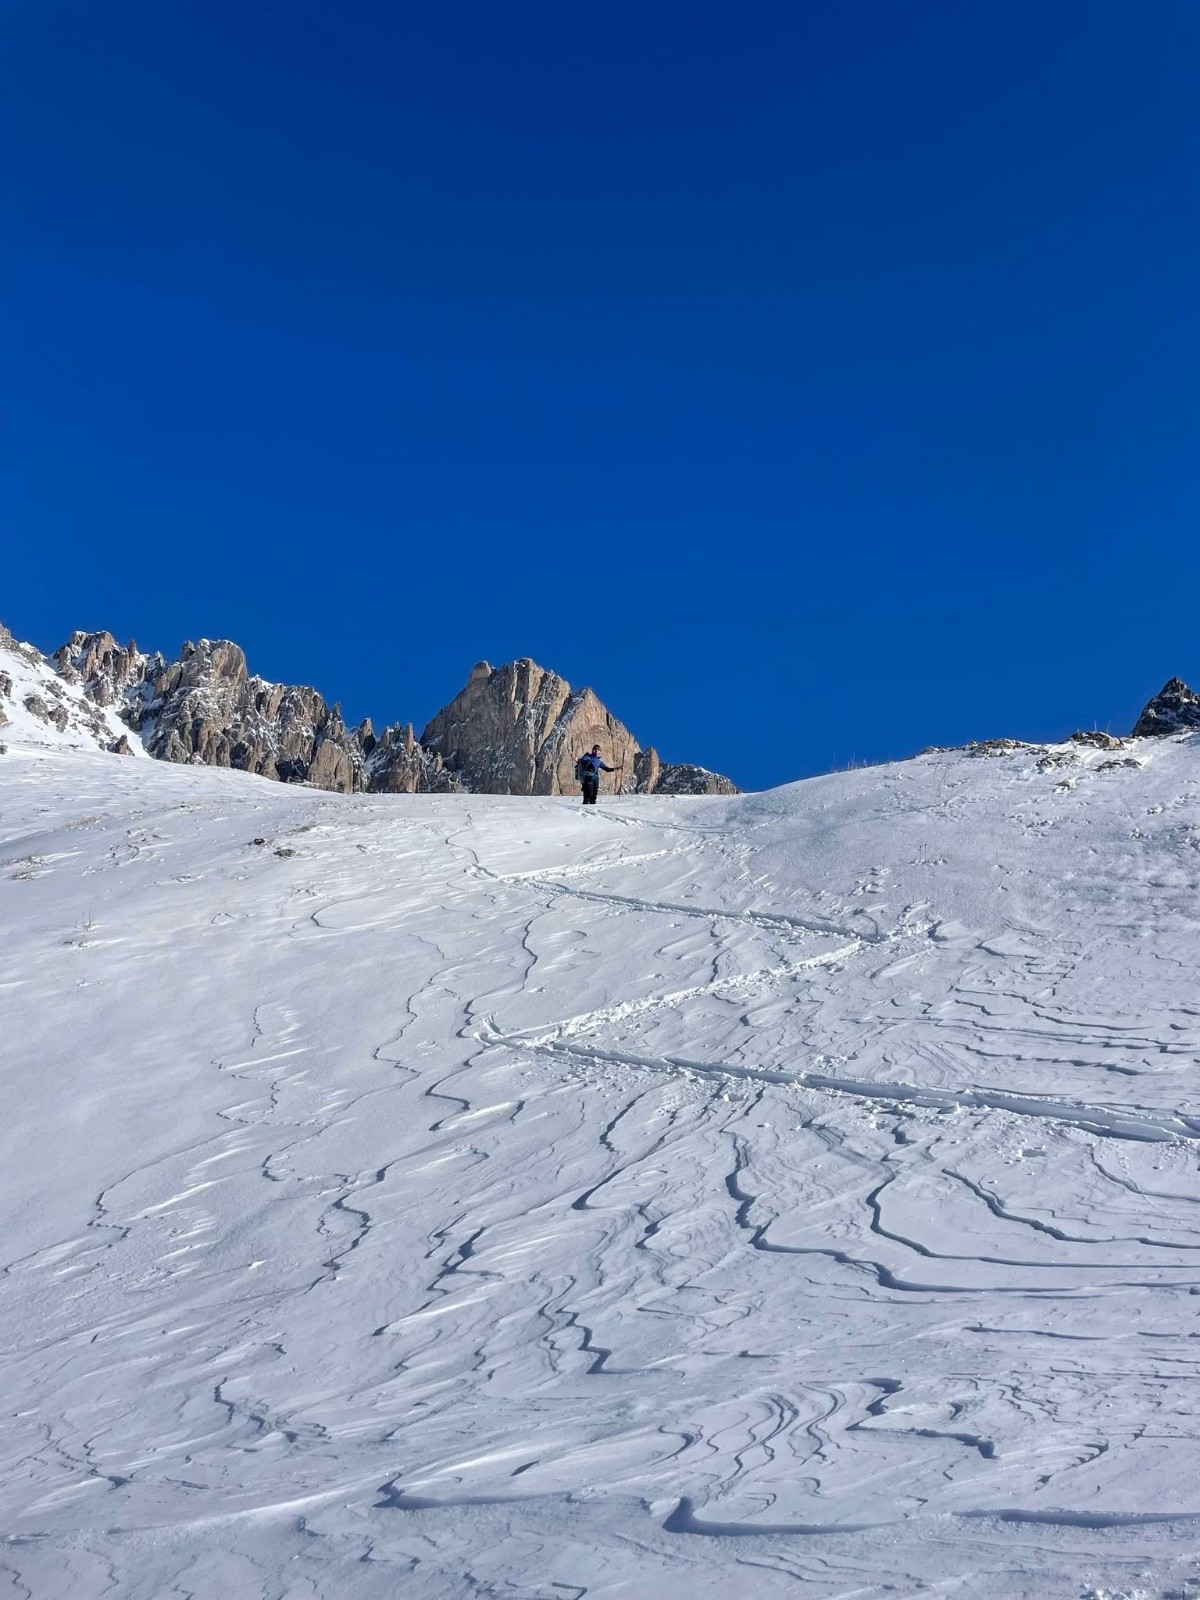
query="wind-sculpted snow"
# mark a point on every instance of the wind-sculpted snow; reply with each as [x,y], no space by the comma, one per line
[792,1195]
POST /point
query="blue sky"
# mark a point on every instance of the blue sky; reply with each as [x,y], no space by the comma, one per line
[816,381]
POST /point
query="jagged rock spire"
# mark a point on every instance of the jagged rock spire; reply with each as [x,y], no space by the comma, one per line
[1174,708]
[518,729]
[515,729]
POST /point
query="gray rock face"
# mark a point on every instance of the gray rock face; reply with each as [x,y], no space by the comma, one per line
[519,729]
[516,729]
[1174,709]
[45,700]
[685,778]
[103,668]
[207,707]
[397,764]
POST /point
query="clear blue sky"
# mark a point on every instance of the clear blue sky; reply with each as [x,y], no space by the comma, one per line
[816,380]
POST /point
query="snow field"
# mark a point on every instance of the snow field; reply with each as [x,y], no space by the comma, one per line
[457,1196]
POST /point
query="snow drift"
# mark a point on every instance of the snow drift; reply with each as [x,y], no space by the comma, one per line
[450,1195]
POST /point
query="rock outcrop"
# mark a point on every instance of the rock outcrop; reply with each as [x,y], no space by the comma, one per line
[686,778]
[519,729]
[103,669]
[1174,709]
[397,764]
[515,729]
[207,707]
[43,705]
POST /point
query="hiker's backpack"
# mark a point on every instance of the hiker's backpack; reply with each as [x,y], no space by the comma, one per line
[583,769]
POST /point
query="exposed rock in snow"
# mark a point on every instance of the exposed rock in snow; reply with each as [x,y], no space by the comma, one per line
[1173,709]
[38,706]
[653,776]
[104,669]
[519,729]
[515,729]
[397,764]
[1001,747]
[207,707]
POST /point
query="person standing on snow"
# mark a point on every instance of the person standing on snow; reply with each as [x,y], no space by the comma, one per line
[588,769]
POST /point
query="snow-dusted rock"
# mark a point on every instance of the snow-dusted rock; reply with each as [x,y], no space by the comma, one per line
[1173,709]
[38,706]
[207,707]
[516,729]
[397,763]
[670,777]
[104,669]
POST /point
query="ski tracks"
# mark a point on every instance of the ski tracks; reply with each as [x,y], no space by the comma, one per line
[617,1224]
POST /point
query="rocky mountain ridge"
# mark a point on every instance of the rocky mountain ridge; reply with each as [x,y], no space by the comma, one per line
[515,729]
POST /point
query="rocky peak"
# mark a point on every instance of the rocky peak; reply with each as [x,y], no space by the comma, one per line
[206,706]
[43,705]
[397,763]
[209,660]
[519,729]
[1174,709]
[515,729]
[103,668]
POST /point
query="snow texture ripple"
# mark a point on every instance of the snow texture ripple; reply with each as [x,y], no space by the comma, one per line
[793,1194]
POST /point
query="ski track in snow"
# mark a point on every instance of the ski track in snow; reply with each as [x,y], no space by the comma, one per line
[795,1191]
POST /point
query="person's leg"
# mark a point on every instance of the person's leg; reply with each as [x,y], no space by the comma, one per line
[590,786]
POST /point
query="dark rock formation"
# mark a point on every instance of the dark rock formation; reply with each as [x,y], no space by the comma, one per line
[1174,709]
[397,764]
[519,729]
[51,703]
[102,668]
[516,729]
[207,707]
[686,778]
[55,715]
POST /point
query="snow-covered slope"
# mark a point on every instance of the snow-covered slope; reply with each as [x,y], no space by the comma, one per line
[790,1195]
[38,708]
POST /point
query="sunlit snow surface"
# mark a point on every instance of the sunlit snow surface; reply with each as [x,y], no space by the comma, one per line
[789,1195]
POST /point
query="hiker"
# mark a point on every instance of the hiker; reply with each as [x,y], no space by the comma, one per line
[588,769]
